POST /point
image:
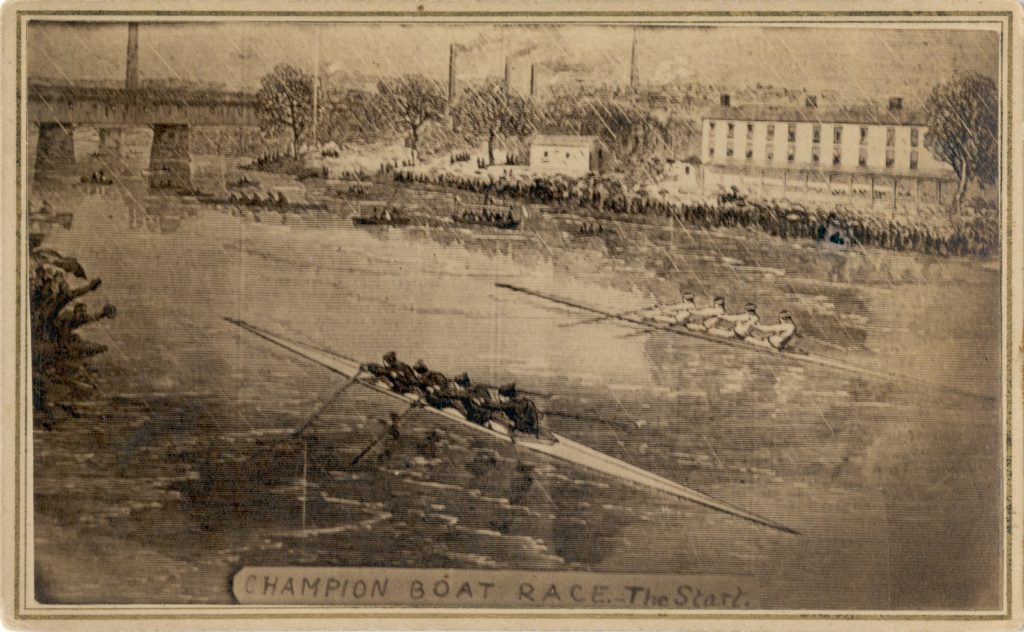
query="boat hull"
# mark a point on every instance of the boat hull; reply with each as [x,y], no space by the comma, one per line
[550,444]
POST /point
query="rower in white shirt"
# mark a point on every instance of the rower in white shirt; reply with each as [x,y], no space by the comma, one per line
[733,325]
[674,314]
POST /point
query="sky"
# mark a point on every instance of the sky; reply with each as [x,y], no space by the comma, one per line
[855,62]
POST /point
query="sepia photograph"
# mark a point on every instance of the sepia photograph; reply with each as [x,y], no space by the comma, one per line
[480,316]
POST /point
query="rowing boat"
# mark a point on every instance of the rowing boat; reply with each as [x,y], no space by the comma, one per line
[548,443]
[793,354]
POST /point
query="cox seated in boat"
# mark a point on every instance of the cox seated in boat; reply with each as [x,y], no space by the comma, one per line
[733,325]
[776,336]
[698,317]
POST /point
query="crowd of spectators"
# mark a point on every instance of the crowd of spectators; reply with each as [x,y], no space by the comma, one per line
[968,232]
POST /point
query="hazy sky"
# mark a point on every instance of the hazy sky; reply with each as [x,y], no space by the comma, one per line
[856,62]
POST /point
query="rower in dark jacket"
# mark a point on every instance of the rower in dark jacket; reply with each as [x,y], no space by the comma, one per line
[520,411]
[470,399]
[399,375]
[433,384]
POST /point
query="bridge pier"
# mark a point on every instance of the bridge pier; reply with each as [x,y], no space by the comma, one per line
[56,145]
[170,159]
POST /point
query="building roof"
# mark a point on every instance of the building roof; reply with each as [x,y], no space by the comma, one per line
[564,140]
[859,114]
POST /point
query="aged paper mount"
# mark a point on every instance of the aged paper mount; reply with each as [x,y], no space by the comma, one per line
[488,316]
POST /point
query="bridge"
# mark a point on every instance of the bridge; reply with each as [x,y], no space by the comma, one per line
[170,111]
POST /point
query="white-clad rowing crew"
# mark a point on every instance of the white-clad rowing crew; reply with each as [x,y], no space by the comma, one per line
[714,320]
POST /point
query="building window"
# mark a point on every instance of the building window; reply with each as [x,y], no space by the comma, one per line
[837,156]
[791,137]
[731,130]
[913,137]
[711,151]
[728,151]
[815,155]
[913,159]
[771,131]
[863,136]
[791,153]
[545,153]
[687,169]
[890,136]
[750,153]
[816,134]
[566,154]
[890,158]
[837,134]
[750,131]
[862,157]
[770,155]
[711,126]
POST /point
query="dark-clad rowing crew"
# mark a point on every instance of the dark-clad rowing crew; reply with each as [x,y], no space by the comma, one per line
[715,321]
[472,401]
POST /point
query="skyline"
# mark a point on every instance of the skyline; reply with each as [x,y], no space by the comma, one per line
[905,62]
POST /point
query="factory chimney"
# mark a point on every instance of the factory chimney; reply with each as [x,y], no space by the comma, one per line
[131,78]
[451,74]
[634,71]
[533,80]
[508,74]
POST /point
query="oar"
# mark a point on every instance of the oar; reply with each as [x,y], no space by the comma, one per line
[611,422]
[591,321]
[319,411]
[521,390]
[391,429]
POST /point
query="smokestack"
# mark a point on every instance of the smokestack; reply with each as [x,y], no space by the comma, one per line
[634,71]
[508,74]
[131,78]
[451,75]
[533,80]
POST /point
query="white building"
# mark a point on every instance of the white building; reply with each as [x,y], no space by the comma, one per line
[851,153]
[567,154]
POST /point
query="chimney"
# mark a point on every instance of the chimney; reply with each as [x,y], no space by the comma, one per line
[634,71]
[895,103]
[533,80]
[508,74]
[451,74]
[131,77]
[811,101]
[724,100]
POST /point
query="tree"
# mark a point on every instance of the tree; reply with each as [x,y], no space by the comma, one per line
[358,115]
[412,100]
[963,128]
[285,101]
[494,110]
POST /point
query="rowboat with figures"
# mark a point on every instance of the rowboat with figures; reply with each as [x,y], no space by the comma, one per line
[547,443]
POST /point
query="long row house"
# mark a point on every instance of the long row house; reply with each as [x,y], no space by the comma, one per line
[868,156]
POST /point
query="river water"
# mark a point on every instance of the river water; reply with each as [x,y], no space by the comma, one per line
[182,469]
